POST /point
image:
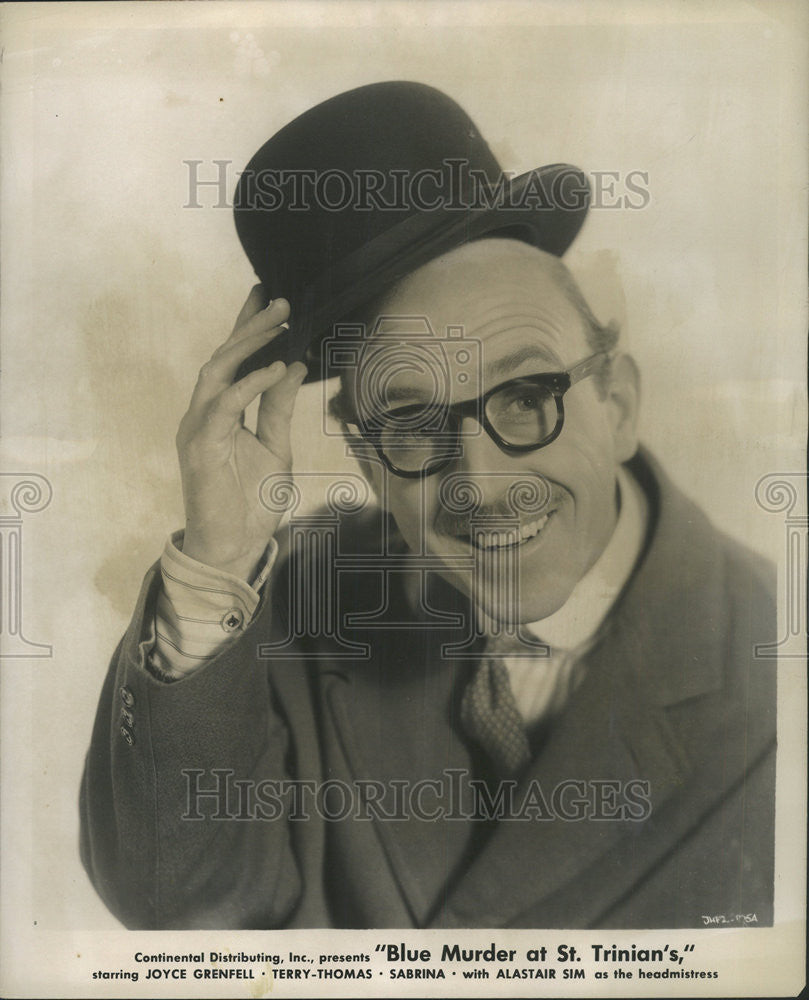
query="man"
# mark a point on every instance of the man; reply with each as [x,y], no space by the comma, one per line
[527,694]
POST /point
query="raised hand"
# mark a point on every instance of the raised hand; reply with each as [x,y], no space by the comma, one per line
[221,462]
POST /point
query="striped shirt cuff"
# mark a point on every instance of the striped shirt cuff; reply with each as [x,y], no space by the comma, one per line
[199,610]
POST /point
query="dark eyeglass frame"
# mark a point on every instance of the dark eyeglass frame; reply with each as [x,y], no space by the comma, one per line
[557,383]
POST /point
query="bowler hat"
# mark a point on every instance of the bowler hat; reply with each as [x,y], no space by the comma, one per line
[367,186]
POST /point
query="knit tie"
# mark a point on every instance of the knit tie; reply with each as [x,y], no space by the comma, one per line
[490,717]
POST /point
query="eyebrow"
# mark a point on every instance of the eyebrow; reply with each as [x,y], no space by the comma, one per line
[398,393]
[530,352]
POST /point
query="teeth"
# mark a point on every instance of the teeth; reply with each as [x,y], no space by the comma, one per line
[529,530]
[498,540]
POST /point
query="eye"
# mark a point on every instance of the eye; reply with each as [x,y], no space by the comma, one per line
[526,404]
[518,402]
[523,414]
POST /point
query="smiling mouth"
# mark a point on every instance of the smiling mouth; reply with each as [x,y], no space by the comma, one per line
[506,539]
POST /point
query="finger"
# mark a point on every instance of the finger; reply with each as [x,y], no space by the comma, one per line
[230,355]
[277,405]
[218,373]
[230,405]
[276,312]
[257,300]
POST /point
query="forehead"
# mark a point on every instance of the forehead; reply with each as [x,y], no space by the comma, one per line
[496,307]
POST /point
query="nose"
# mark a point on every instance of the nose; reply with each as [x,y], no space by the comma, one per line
[479,453]
[501,481]
[483,463]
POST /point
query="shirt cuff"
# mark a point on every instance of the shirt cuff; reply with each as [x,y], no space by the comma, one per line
[199,610]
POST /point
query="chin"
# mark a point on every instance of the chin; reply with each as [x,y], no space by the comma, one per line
[520,611]
[517,578]
[530,601]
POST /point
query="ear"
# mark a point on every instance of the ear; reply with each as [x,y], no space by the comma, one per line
[623,400]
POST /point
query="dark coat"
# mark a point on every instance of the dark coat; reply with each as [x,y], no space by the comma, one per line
[673,696]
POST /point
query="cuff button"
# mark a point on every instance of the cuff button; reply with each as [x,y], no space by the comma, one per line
[127,697]
[128,735]
[232,620]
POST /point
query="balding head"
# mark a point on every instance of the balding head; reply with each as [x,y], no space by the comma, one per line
[493,263]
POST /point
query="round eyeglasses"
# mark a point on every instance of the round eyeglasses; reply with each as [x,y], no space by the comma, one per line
[520,415]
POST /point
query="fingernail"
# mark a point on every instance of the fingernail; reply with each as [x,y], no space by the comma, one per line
[269,304]
[285,326]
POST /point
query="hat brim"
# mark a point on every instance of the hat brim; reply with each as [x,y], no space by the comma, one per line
[549,223]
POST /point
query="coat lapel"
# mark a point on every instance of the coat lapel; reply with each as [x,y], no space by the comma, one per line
[390,720]
[611,732]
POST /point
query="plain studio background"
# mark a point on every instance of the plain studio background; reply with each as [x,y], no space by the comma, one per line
[114,293]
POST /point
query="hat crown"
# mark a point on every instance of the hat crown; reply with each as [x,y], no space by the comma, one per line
[382,126]
[361,189]
[321,164]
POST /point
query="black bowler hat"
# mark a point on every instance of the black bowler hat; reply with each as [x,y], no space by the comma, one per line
[366,187]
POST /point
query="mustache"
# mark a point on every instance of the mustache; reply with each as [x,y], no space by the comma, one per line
[524,499]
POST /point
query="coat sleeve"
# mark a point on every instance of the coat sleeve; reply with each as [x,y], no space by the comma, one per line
[161,852]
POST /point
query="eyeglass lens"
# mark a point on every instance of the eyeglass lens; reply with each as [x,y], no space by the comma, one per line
[521,414]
